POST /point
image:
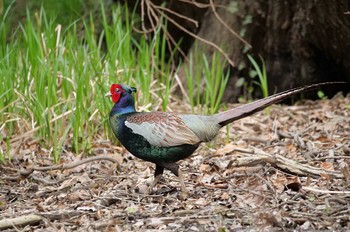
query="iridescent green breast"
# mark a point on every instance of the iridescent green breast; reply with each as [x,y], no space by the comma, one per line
[141,148]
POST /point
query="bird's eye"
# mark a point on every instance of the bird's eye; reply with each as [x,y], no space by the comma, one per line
[117,90]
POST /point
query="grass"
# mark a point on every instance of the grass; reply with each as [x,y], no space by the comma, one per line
[54,79]
[260,72]
[206,82]
[55,83]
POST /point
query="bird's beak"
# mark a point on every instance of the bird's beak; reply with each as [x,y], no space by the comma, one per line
[108,94]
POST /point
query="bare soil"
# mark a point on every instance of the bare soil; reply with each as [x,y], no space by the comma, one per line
[283,169]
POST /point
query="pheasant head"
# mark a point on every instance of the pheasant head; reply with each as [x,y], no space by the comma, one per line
[116,91]
[123,97]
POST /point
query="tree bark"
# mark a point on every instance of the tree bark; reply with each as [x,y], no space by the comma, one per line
[300,41]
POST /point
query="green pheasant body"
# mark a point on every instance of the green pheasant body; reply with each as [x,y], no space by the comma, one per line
[165,138]
[138,145]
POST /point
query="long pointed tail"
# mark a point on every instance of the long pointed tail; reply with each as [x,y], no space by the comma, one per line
[239,112]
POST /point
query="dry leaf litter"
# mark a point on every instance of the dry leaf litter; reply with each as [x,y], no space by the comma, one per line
[285,168]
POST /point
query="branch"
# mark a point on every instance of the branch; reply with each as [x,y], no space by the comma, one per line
[61,166]
[257,156]
[226,26]
[15,139]
[326,191]
[22,221]
[151,7]
[201,39]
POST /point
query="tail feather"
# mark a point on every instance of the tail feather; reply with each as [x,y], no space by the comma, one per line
[239,112]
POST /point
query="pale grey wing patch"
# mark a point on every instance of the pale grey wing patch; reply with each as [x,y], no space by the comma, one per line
[205,127]
[166,132]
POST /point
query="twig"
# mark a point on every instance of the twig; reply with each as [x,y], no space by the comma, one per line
[199,38]
[75,164]
[46,182]
[195,22]
[226,26]
[258,156]
[325,191]
[59,215]
[30,219]
[155,22]
[62,166]
[197,4]
[332,157]
[14,139]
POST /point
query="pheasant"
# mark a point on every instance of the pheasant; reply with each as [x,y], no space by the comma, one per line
[165,138]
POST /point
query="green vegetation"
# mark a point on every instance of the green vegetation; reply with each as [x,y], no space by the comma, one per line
[321,94]
[54,74]
[209,77]
[260,72]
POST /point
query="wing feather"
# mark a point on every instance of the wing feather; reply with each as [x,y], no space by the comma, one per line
[161,129]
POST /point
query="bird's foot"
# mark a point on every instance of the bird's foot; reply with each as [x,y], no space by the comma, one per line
[157,176]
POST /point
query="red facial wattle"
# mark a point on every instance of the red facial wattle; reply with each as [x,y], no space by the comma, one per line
[116,90]
[115,97]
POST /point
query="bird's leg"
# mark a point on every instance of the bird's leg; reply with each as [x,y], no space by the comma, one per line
[174,168]
[183,187]
[157,175]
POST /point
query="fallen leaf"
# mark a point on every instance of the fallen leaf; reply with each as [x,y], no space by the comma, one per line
[327,166]
[204,168]
[225,196]
[279,181]
[201,201]
[228,148]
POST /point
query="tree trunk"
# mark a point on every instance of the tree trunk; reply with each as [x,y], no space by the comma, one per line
[300,41]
